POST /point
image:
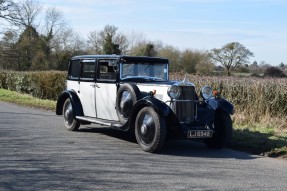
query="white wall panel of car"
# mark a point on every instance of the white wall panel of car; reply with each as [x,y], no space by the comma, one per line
[106,101]
[87,97]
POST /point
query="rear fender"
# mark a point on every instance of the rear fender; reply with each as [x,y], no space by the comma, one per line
[76,103]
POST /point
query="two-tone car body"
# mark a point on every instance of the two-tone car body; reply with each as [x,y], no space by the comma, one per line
[134,94]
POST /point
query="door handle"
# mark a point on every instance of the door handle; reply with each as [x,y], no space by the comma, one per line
[95,85]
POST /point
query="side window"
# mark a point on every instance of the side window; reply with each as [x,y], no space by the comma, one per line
[88,70]
[75,69]
[107,69]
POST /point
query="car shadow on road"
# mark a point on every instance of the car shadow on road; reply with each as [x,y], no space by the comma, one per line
[109,132]
[182,148]
[194,148]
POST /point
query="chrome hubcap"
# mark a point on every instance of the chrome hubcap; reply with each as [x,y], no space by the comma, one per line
[68,113]
[146,128]
[143,129]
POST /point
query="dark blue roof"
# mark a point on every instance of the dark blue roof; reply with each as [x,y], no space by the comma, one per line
[124,58]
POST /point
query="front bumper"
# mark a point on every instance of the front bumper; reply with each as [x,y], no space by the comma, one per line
[202,125]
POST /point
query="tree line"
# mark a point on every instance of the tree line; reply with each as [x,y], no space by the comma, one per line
[47,43]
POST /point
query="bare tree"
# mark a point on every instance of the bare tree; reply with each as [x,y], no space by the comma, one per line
[54,22]
[27,12]
[8,11]
[94,43]
[144,48]
[8,51]
[231,55]
[190,59]
[173,55]
[108,40]
[134,39]
[66,43]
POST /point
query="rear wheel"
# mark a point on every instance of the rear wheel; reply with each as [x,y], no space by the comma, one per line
[69,118]
[150,130]
[223,131]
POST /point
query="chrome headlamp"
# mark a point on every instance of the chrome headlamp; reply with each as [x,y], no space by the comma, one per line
[206,92]
[174,92]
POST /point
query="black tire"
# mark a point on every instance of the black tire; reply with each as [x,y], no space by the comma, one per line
[150,130]
[223,131]
[128,94]
[69,118]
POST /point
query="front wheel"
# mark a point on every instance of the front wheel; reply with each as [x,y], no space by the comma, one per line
[150,130]
[127,96]
[223,131]
[69,118]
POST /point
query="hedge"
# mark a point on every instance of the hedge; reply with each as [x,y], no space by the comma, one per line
[43,84]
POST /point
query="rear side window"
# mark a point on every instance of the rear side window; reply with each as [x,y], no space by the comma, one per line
[107,70]
[88,69]
[75,69]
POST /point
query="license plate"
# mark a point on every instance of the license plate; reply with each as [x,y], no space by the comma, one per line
[199,134]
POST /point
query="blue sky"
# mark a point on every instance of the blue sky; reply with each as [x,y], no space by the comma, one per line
[260,25]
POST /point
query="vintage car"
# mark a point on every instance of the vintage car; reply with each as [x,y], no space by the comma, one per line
[134,94]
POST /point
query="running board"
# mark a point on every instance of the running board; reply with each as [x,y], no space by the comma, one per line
[113,124]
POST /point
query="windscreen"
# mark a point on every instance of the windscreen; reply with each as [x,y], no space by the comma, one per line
[153,71]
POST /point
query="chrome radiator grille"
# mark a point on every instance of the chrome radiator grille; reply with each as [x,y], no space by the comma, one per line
[185,109]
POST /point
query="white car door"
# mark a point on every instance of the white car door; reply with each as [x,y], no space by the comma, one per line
[106,90]
[87,88]
[106,101]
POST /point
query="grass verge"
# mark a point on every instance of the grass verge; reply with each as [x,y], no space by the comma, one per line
[26,100]
[256,140]
[259,140]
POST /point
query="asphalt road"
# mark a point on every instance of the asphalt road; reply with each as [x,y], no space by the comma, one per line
[37,153]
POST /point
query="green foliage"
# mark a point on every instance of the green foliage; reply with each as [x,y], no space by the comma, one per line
[44,85]
[263,141]
[28,45]
[109,47]
[27,100]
